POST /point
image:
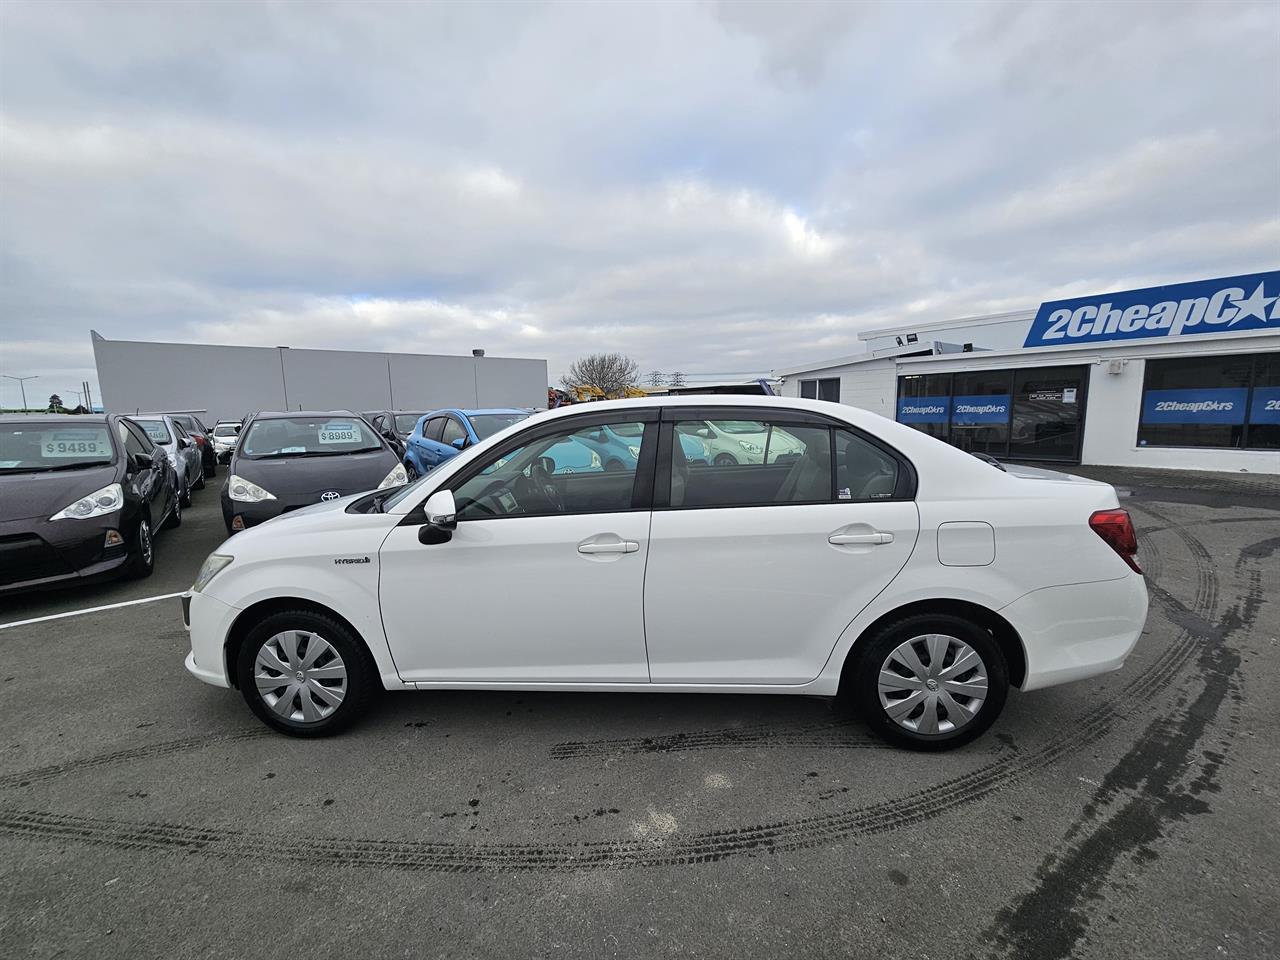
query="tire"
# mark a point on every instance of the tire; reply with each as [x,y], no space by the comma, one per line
[613,466]
[344,651]
[410,470]
[957,717]
[200,480]
[142,551]
[725,460]
[211,468]
[184,493]
[175,516]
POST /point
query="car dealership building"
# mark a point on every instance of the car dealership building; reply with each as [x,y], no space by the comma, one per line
[1185,375]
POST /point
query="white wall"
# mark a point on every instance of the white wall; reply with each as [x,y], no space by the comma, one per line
[871,384]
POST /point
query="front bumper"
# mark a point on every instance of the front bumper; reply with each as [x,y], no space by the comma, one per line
[37,553]
[1079,630]
[208,621]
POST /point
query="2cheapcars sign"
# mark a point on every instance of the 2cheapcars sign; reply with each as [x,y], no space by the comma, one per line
[958,410]
[1249,302]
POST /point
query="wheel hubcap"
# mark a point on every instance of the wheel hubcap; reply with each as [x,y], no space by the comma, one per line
[144,542]
[300,676]
[932,684]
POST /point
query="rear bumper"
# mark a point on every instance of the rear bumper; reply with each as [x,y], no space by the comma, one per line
[1079,630]
[208,623]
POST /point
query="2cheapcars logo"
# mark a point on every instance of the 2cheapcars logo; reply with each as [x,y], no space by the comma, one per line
[919,409]
[1184,308]
[1196,406]
[980,408]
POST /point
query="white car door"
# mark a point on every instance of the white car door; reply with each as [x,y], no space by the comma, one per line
[756,568]
[543,576]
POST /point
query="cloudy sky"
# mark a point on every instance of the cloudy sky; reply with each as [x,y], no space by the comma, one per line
[709,187]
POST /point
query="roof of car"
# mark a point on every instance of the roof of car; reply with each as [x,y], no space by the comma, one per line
[286,414]
[61,417]
[476,412]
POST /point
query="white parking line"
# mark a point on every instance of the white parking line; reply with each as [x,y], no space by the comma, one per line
[76,613]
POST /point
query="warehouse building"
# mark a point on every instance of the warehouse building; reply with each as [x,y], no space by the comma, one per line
[1183,376]
[227,382]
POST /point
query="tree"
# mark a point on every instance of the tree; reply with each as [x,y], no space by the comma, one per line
[610,373]
[55,403]
[677,379]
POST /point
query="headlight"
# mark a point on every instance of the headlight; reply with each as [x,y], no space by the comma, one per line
[238,488]
[750,447]
[106,500]
[395,478]
[634,451]
[211,567]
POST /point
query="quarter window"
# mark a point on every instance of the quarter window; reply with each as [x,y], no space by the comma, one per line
[581,469]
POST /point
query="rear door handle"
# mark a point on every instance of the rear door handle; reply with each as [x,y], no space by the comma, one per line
[839,539]
[608,546]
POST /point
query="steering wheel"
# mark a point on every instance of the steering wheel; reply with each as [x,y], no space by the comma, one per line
[541,481]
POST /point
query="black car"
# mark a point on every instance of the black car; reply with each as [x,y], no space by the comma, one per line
[283,461]
[394,425]
[203,437]
[80,500]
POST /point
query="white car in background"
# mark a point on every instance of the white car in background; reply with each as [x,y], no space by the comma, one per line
[907,579]
[729,442]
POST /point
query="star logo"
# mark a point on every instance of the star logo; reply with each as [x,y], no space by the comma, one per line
[1255,306]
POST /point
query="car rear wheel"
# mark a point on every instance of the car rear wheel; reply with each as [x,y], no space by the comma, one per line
[725,460]
[930,682]
[305,674]
[200,479]
[142,551]
[175,516]
[184,493]
[410,471]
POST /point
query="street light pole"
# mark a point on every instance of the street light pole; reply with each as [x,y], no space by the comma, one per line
[22,384]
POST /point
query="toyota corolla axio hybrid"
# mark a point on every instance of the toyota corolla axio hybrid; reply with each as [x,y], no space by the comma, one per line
[866,561]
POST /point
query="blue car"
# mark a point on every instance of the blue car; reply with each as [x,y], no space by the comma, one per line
[442,434]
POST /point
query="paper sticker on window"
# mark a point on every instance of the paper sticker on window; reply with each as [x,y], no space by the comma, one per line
[1069,395]
[75,443]
[844,493]
[340,433]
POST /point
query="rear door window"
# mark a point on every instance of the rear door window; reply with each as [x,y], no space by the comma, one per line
[750,463]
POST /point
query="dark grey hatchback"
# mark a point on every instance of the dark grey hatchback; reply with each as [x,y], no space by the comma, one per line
[288,460]
[80,499]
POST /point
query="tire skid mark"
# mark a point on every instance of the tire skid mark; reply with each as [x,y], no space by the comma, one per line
[1154,777]
[147,752]
[818,734]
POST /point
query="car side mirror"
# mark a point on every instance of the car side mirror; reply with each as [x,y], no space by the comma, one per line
[459,443]
[182,444]
[140,462]
[706,433]
[441,516]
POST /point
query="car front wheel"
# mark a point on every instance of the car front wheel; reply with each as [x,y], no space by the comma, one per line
[930,682]
[305,674]
[142,551]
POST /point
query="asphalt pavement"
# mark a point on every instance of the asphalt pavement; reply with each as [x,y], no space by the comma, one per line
[143,814]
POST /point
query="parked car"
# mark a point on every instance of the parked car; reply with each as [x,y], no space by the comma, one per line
[394,425]
[283,461]
[224,436]
[727,442]
[169,435]
[441,434]
[874,564]
[201,435]
[80,500]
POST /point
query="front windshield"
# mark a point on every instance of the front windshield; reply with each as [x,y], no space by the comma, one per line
[308,437]
[405,422]
[487,424]
[32,447]
[156,430]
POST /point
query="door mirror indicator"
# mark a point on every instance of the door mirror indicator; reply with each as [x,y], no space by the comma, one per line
[440,510]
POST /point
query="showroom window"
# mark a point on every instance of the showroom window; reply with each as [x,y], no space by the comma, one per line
[1228,402]
[740,463]
[980,403]
[924,402]
[827,389]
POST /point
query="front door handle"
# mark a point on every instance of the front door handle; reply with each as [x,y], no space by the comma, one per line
[839,539]
[612,545]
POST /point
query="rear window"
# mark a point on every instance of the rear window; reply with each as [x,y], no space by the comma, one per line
[308,436]
[487,424]
[405,422]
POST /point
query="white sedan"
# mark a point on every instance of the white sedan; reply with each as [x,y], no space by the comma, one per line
[879,566]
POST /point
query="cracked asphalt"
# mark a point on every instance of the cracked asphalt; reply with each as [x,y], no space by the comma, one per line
[143,814]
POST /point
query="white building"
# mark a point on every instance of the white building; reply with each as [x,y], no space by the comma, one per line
[1186,376]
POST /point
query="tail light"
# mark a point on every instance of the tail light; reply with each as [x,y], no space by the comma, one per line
[198,439]
[1115,527]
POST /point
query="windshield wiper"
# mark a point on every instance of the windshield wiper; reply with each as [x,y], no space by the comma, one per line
[61,466]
